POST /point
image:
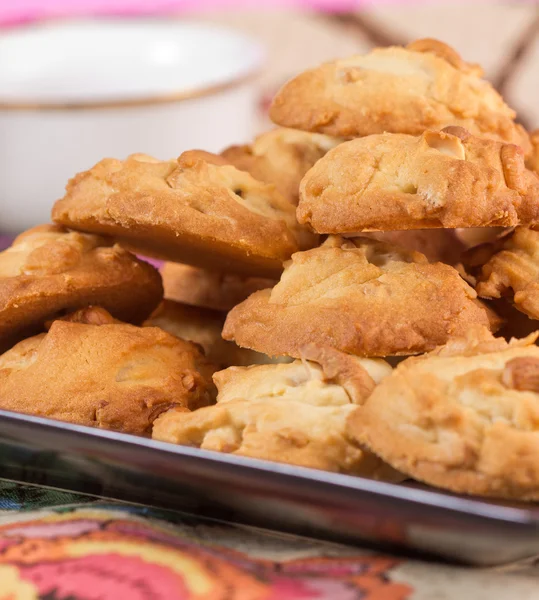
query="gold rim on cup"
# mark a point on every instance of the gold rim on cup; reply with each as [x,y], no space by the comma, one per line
[168,98]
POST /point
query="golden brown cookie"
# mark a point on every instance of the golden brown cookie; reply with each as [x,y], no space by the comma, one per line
[49,270]
[208,289]
[464,418]
[89,315]
[197,210]
[392,181]
[360,296]
[282,157]
[476,236]
[399,90]
[511,268]
[438,245]
[203,327]
[532,161]
[91,370]
[293,413]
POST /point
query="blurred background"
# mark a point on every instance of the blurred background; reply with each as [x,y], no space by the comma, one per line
[61,116]
[502,36]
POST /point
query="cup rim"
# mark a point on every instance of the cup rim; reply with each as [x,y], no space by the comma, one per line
[168,98]
[246,74]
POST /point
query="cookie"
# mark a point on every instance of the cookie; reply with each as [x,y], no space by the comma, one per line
[425,85]
[438,245]
[359,296]
[392,181]
[476,236]
[464,418]
[293,413]
[91,370]
[511,268]
[208,289]
[282,157]
[49,270]
[532,161]
[203,327]
[197,210]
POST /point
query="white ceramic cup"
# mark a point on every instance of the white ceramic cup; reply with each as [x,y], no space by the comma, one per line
[75,92]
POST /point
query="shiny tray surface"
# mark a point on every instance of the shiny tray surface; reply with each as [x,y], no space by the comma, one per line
[402,518]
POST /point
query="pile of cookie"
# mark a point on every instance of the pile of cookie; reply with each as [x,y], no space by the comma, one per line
[345,293]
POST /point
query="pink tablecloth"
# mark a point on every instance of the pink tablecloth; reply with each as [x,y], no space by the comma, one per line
[14,12]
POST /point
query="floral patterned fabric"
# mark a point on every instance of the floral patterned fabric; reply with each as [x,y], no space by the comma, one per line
[91,551]
[80,549]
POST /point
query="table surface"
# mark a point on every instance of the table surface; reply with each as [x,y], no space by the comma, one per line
[58,545]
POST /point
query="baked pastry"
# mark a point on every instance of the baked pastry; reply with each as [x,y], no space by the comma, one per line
[511,268]
[438,245]
[282,157]
[392,181]
[91,370]
[49,270]
[203,327]
[425,85]
[208,289]
[197,210]
[359,296]
[532,161]
[463,418]
[476,236]
[293,413]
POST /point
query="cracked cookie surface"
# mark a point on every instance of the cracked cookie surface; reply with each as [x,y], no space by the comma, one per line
[209,289]
[360,296]
[203,326]
[92,370]
[293,413]
[438,245]
[282,157]
[464,417]
[399,90]
[49,270]
[512,269]
[197,210]
[532,160]
[446,178]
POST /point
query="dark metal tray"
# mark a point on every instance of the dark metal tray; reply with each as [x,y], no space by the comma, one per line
[304,501]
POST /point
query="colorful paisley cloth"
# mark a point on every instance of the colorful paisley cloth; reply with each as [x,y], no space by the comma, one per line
[62,546]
